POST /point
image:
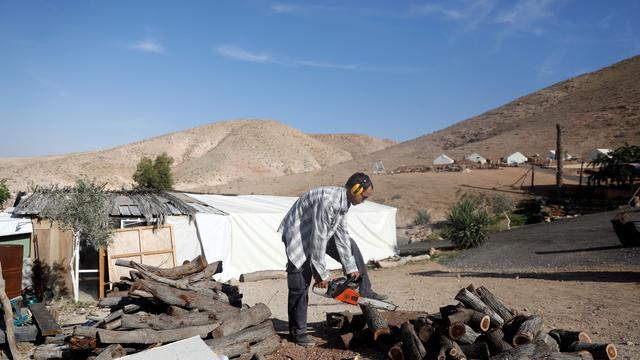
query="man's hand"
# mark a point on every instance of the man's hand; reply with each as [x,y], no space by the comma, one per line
[354,275]
[322,284]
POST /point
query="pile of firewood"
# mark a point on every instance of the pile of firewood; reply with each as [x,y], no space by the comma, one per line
[157,306]
[479,327]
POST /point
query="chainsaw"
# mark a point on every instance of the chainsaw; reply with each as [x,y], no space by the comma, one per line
[346,290]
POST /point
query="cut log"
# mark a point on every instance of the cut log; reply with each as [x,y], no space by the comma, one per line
[424,328]
[494,303]
[207,273]
[479,351]
[495,341]
[452,349]
[194,266]
[50,352]
[232,350]
[339,320]
[475,319]
[112,351]
[564,338]
[395,352]
[252,316]
[472,301]
[528,330]
[413,348]
[266,346]
[534,350]
[8,320]
[149,336]
[176,310]
[115,324]
[86,331]
[551,342]
[456,330]
[377,325]
[250,335]
[188,299]
[599,351]
[263,275]
[469,336]
[80,343]
[165,322]
[56,340]
[581,355]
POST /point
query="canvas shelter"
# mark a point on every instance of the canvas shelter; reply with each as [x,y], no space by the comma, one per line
[516,158]
[596,153]
[476,158]
[246,238]
[443,160]
[551,155]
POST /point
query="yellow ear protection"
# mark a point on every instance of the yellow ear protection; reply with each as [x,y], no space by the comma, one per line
[357,189]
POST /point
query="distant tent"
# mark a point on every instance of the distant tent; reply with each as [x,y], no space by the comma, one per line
[516,158]
[551,155]
[595,153]
[443,160]
[475,157]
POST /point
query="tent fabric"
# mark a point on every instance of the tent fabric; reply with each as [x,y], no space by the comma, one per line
[12,225]
[253,243]
[443,160]
[185,238]
[516,158]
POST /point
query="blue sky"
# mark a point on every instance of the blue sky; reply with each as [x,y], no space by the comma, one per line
[87,75]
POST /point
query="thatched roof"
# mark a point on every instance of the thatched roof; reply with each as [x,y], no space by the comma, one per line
[135,203]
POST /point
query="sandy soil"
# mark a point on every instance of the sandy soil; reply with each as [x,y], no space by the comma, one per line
[607,310]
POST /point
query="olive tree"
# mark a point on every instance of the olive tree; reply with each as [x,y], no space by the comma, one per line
[502,204]
[154,174]
[82,209]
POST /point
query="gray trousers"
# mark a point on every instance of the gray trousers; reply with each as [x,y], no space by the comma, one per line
[299,280]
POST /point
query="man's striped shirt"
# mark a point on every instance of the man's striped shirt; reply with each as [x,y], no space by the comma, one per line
[313,219]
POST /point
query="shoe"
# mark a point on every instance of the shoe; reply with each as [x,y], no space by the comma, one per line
[303,340]
[376,296]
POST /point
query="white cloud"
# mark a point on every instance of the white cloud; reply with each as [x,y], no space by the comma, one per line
[284,8]
[148,45]
[525,13]
[470,14]
[237,53]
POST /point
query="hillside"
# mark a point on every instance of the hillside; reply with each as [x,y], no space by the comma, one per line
[598,109]
[204,156]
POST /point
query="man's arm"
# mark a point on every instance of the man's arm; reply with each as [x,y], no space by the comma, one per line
[343,245]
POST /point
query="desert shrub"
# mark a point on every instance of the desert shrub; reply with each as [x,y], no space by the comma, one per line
[5,194]
[502,205]
[154,174]
[519,220]
[467,223]
[423,217]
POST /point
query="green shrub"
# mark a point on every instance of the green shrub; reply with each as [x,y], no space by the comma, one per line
[154,174]
[423,217]
[518,220]
[467,223]
[4,192]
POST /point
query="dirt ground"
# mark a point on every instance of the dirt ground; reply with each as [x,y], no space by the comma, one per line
[607,310]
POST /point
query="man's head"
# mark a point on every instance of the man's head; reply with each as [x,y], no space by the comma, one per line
[359,188]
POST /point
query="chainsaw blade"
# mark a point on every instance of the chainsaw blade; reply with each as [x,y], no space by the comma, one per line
[379,304]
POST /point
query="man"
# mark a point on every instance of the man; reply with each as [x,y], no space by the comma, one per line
[316,224]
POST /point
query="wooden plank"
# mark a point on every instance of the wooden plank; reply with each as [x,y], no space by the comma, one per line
[42,317]
[100,274]
[22,333]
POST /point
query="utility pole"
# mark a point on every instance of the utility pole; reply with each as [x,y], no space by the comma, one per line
[559,157]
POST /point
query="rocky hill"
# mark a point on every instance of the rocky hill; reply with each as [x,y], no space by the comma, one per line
[203,156]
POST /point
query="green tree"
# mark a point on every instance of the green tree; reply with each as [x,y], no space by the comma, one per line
[611,166]
[467,222]
[154,174]
[5,194]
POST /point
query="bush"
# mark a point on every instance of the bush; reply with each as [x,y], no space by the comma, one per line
[467,223]
[154,174]
[4,192]
[423,217]
[519,220]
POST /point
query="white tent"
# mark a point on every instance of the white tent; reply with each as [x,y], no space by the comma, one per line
[443,160]
[246,239]
[475,157]
[551,155]
[595,153]
[516,158]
